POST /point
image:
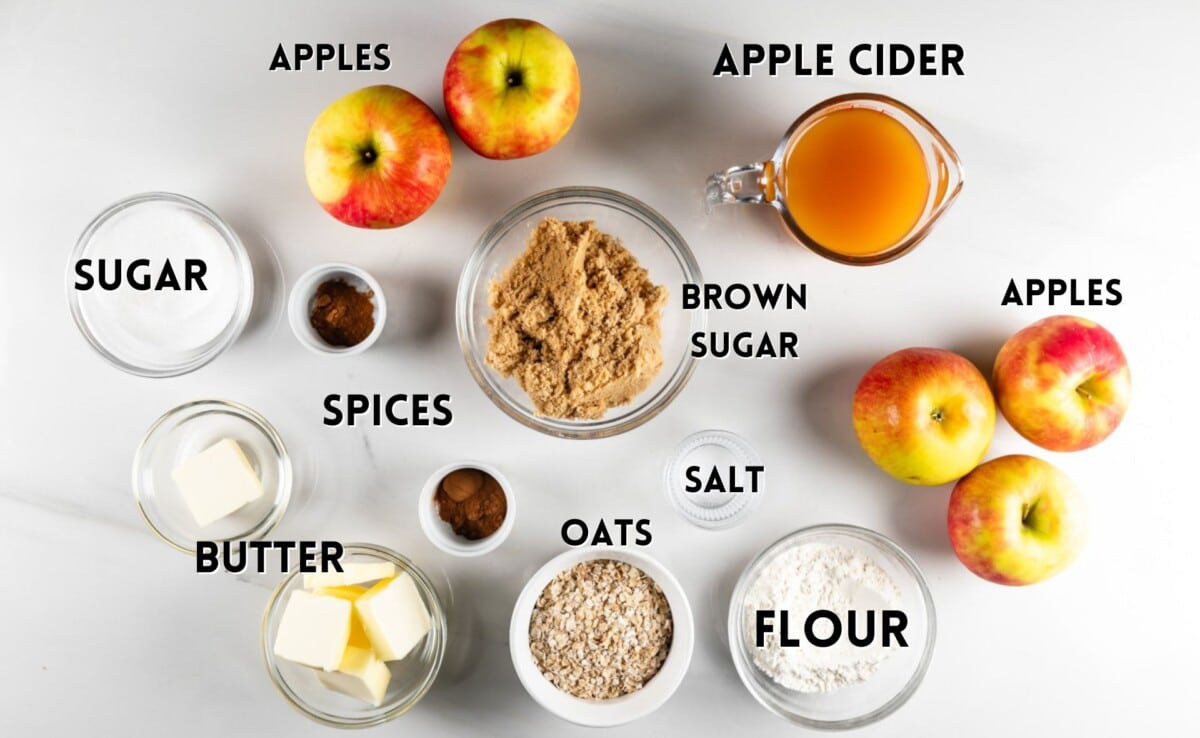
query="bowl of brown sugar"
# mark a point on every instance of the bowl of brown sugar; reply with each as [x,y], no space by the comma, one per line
[570,316]
[466,508]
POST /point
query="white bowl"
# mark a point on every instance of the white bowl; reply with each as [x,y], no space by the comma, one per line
[301,301]
[619,710]
[440,533]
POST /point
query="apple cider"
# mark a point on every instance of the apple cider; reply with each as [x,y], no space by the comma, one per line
[859,179]
[855,181]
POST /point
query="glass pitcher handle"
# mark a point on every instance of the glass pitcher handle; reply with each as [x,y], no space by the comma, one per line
[742,184]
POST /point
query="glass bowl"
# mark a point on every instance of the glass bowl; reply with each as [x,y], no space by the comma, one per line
[648,236]
[184,432]
[618,710]
[709,450]
[412,676]
[136,345]
[898,675]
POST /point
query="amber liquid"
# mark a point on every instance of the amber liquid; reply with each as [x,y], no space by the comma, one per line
[855,181]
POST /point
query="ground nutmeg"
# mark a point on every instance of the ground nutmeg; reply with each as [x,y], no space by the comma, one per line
[472,502]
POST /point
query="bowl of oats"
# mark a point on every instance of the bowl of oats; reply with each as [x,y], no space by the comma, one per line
[601,637]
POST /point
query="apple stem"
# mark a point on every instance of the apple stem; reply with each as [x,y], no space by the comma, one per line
[514,78]
[1027,514]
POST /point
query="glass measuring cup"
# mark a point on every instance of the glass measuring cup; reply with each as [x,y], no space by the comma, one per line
[767,182]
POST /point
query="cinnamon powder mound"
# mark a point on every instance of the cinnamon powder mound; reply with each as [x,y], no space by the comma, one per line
[341,315]
[576,322]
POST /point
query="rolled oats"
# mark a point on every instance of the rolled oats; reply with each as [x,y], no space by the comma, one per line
[600,629]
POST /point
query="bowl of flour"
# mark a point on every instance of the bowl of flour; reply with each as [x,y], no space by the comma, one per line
[832,627]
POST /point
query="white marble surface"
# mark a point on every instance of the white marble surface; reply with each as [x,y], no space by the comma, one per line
[1077,124]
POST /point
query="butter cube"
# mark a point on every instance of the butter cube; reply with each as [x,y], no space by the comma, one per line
[217,482]
[360,675]
[353,572]
[358,636]
[394,616]
[314,630]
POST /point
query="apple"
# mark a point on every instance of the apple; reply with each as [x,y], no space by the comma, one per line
[511,89]
[1016,520]
[1062,383]
[377,158]
[924,415]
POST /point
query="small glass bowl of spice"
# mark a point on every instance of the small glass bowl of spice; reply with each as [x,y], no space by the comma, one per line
[337,309]
[467,508]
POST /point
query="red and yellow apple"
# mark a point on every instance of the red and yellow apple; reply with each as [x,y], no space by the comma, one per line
[511,89]
[377,158]
[1062,383]
[1016,520]
[924,415]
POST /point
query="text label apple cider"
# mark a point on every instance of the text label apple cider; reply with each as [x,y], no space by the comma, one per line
[864,60]
[737,296]
[348,58]
[1076,292]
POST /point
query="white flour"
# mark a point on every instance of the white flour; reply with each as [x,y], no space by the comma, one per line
[820,576]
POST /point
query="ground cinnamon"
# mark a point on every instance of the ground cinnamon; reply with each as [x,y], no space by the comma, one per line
[472,502]
[341,315]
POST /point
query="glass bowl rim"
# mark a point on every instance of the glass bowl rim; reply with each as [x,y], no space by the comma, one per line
[596,196]
[439,628]
[283,494]
[745,669]
[697,515]
[229,334]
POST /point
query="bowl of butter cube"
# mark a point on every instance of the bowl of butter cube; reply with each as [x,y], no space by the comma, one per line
[211,470]
[356,647]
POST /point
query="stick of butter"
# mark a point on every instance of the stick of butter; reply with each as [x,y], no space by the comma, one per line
[394,616]
[217,482]
[314,630]
[360,675]
[352,572]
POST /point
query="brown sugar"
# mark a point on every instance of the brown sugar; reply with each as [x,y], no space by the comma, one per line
[576,321]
